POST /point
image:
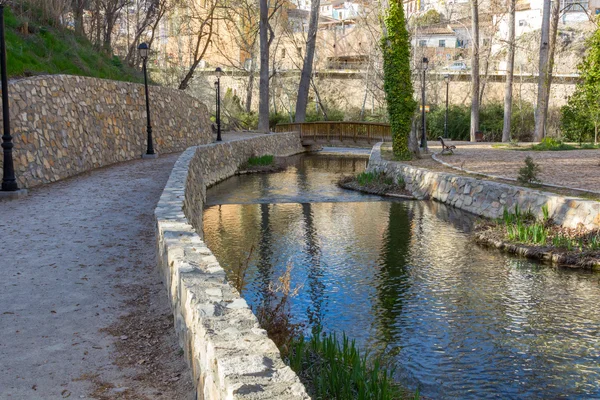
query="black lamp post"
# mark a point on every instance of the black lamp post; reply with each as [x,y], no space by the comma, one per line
[144,50]
[447,80]
[423,134]
[218,72]
[9,183]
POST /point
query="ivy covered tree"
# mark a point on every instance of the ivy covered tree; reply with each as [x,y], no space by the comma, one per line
[584,105]
[397,80]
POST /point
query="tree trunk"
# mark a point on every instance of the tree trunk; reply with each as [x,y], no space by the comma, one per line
[553,34]
[250,87]
[540,120]
[510,70]
[474,69]
[77,7]
[263,98]
[413,138]
[305,78]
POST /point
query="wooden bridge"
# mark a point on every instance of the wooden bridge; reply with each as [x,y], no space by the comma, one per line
[338,133]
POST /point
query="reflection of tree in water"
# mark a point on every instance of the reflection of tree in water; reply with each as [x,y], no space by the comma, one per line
[316,287]
[393,280]
[264,264]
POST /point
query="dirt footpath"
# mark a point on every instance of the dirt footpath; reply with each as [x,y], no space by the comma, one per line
[83,311]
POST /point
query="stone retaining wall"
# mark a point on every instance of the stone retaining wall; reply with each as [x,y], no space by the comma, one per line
[65,125]
[487,198]
[230,356]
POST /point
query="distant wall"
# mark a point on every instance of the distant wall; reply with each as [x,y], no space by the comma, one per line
[230,355]
[65,125]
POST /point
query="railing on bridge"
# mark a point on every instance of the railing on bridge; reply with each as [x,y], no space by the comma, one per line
[334,131]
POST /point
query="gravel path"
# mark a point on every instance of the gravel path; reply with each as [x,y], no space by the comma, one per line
[83,312]
[578,169]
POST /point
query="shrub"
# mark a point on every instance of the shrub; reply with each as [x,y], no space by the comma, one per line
[551,144]
[529,173]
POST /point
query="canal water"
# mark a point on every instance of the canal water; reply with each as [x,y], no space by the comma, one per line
[404,279]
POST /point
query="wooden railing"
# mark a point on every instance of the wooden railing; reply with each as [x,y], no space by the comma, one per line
[333,131]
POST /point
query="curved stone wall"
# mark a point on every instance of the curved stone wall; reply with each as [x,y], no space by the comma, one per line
[487,198]
[65,125]
[230,356]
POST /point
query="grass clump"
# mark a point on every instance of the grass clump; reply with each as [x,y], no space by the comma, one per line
[261,161]
[335,369]
[368,178]
[529,173]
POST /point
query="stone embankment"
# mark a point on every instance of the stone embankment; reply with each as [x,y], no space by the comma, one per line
[65,125]
[486,198]
[229,354]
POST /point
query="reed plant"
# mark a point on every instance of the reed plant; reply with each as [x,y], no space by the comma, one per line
[333,368]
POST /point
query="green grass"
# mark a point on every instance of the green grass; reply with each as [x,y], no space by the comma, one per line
[261,161]
[548,144]
[335,369]
[366,178]
[51,50]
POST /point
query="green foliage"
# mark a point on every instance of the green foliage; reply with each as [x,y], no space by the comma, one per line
[54,50]
[261,161]
[278,118]
[334,369]
[430,17]
[581,115]
[551,144]
[529,173]
[397,78]
[491,121]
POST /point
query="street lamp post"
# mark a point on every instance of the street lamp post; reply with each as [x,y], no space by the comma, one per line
[447,80]
[218,72]
[10,188]
[9,183]
[423,134]
[144,50]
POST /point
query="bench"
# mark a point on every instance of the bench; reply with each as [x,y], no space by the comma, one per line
[445,148]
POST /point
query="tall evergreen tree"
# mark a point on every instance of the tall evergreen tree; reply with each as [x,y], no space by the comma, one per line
[397,80]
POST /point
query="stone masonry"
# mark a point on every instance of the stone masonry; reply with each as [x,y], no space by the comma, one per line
[486,198]
[65,125]
[230,356]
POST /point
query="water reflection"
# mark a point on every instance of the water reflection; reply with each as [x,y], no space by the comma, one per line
[461,321]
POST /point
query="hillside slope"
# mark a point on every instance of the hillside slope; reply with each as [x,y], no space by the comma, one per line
[44,49]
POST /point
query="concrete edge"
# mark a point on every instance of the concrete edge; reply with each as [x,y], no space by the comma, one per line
[434,156]
[486,198]
[230,355]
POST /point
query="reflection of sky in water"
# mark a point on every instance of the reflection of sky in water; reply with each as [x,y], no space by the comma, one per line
[462,321]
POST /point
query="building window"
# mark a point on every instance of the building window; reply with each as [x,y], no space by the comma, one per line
[422,43]
[522,22]
[442,43]
[574,5]
[282,53]
[460,43]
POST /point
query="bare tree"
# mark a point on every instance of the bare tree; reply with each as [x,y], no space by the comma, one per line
[204,18]
[510,70]
[306,76]
[474,69]
[111,10]
[154,11]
